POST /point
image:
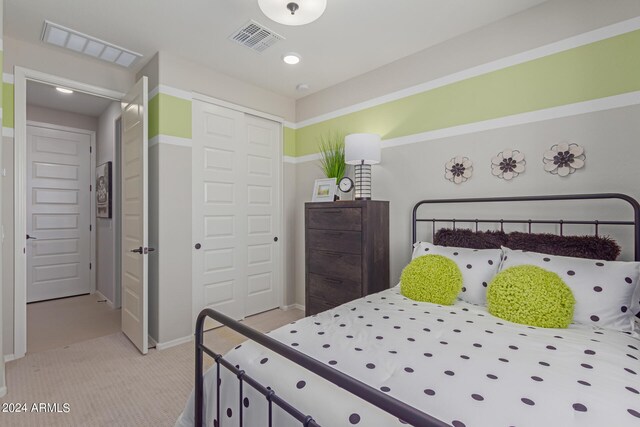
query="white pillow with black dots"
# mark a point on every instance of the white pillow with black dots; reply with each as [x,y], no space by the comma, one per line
[478,267]
[457,363]
[603,289]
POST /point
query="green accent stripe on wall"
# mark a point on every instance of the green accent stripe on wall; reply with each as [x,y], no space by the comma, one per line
[7,105]
[597,70]
[289,142]
[154,116]
[169,115]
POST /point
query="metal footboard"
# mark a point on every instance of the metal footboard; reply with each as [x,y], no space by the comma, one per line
[402,411]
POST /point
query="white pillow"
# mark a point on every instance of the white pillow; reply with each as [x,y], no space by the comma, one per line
[478,266]
[603,289]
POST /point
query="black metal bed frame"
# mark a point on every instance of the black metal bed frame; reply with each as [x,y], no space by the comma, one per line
[393,406]
[561,222]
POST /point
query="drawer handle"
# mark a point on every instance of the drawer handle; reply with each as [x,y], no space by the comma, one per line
[334,281]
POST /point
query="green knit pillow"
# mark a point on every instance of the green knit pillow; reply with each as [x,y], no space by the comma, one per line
[531,295]
[431,278]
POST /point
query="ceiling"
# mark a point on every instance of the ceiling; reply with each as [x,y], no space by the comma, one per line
[44,95]
[351,38]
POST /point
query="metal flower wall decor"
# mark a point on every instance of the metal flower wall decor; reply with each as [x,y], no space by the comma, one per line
[458,169]
[508,164]
[564,158]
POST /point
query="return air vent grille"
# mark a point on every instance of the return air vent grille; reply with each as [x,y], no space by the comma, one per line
[255,36]
[64,37]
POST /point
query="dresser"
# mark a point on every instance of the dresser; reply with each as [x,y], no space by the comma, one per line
[347,252]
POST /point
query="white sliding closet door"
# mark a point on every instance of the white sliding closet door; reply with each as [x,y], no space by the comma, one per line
[236,211]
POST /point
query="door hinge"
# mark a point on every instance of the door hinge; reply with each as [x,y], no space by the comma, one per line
[90,149]
[90,187]
[91,228]
[90,266]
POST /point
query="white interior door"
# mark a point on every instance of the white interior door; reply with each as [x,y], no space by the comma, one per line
[263,214]
[236,211]
[58,213]
[134,215]
[219,209]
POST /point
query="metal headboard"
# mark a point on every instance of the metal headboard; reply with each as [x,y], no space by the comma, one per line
[561,222]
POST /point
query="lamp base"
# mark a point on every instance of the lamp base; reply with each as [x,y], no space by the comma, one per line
[363,182]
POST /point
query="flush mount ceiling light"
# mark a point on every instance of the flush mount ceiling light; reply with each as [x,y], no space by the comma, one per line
[291,58]
[64,90]
[60,36]
[293,12]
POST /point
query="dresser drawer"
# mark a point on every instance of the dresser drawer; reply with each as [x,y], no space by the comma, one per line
[335,265]
[337,291]
[317,305]
[335,241]
[335,219]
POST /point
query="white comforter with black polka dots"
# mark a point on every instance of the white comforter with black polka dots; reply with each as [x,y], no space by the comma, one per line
[458,363]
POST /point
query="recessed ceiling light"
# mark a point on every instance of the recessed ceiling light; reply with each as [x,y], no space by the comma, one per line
[64,90]
[291,58]
[302,87]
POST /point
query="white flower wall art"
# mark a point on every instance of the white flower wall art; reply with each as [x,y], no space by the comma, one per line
[458,169]
[564,158]
[508,164]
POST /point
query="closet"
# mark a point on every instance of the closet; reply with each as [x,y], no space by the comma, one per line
[237,161]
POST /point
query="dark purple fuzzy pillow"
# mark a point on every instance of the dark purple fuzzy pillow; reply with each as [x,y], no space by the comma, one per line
[465,238]
[591,247]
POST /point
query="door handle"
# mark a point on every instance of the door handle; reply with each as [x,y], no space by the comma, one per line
[198,246]
[147,250]
[138,251]
[31,237]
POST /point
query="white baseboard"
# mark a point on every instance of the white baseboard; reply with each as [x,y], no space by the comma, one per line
[292,306]
[101,296]
[173,343]
[3,390]
[10,357]
[151,343]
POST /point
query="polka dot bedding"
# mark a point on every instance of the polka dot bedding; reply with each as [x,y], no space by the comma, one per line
[457,363]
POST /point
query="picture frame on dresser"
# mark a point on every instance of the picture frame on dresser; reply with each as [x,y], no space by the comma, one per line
[324,190]
[346,252]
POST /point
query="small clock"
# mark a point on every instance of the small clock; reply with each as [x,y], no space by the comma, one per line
[345,185]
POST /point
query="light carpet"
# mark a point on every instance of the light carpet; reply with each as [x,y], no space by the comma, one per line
[56,323]
[106,382]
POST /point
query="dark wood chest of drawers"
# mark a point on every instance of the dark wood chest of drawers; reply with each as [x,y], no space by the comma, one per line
[347,252]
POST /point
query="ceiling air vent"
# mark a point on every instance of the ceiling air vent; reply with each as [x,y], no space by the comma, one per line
[255,36]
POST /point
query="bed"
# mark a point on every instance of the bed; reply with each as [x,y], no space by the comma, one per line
[385,360]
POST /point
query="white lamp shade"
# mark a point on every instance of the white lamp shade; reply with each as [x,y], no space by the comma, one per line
[362,148]
[307,12]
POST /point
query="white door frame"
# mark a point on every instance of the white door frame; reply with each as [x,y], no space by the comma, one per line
[21,76]
[282,239]
[92,175]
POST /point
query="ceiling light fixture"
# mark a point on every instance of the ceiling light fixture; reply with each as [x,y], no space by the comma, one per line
[64,90]
[291,58]
[293,12]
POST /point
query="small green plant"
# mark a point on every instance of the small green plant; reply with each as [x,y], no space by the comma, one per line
[332,155]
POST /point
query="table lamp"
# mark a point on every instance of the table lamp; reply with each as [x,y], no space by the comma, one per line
[362,150]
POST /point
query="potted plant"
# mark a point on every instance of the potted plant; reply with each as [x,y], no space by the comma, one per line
[332,162]
[332,155]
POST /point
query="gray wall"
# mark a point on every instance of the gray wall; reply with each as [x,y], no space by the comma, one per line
[107,282]
[61,118]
